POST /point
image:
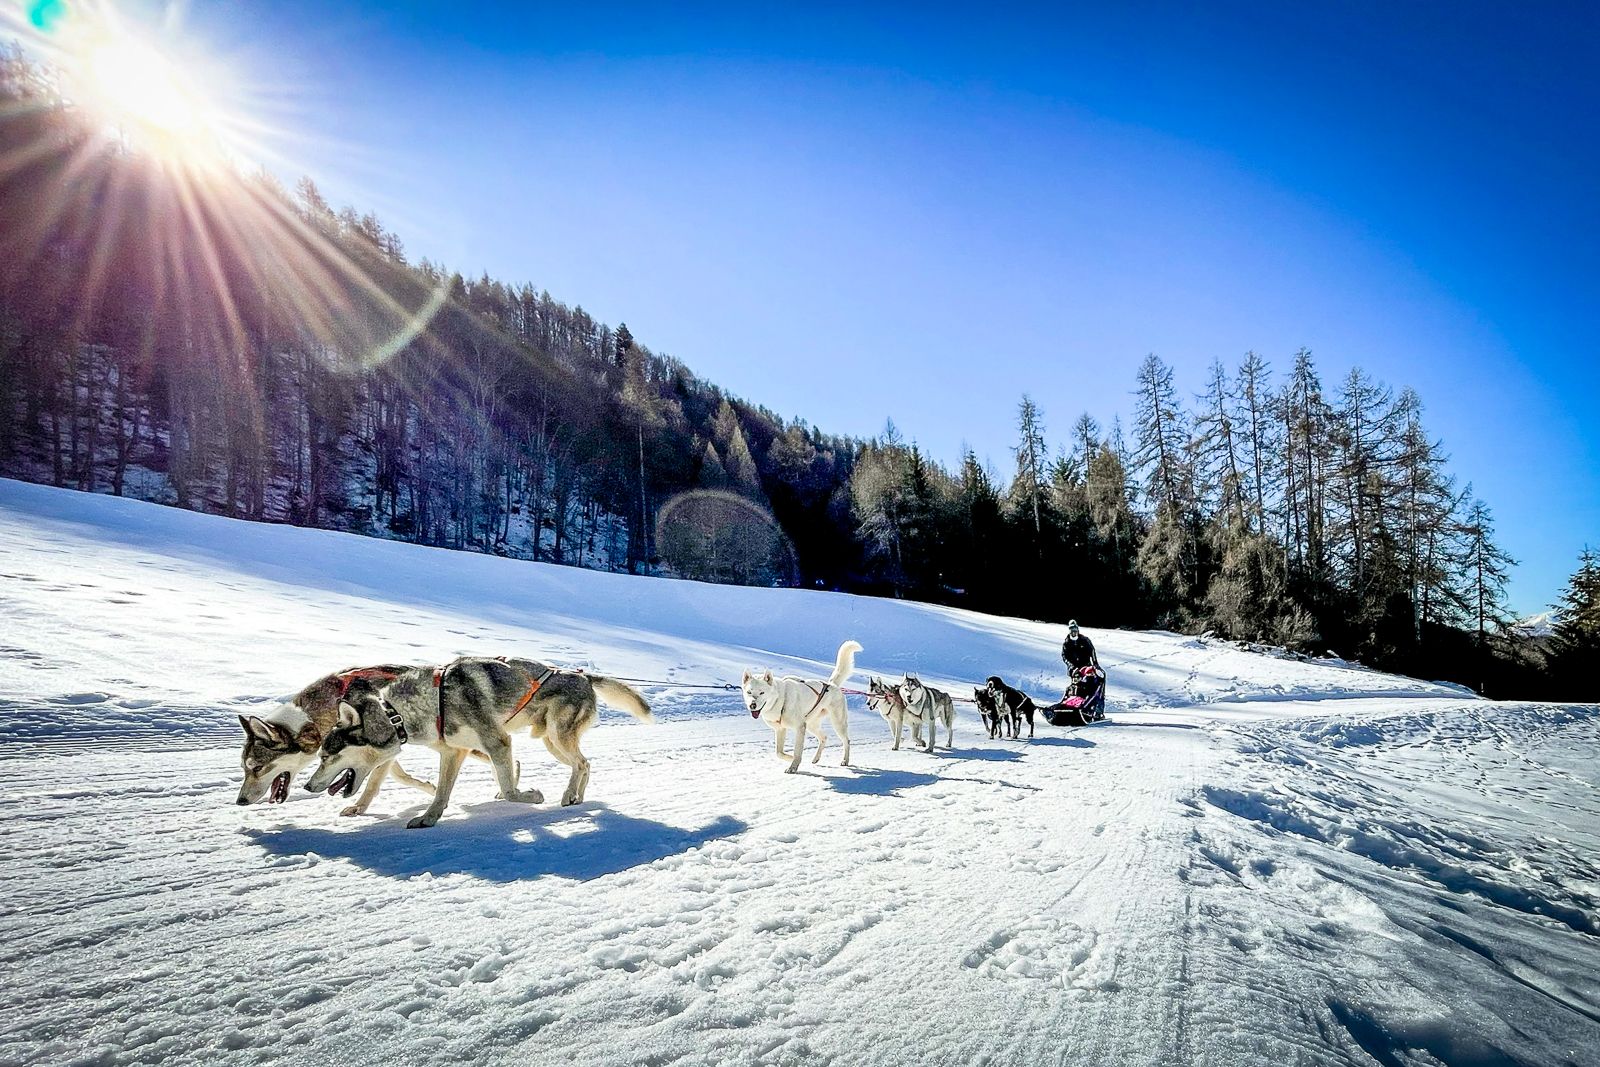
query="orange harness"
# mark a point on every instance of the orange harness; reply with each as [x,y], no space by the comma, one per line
[439,674]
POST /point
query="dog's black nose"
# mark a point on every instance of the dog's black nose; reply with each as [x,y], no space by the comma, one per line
[307,786]
[243,803]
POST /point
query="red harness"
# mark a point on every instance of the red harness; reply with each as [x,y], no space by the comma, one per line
[348,677]
[438,683]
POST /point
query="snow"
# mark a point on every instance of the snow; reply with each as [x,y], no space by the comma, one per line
[1257,860]
[1536,626]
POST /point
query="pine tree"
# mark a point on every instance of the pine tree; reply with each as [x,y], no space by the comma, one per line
[1168,559]
[1426,499]
[1217,449]
[1161,437]
[1085,441]
[1575,644]
[1368,445]
[1027,489]
[1487,568]
[1304,416]
[743,477]
[622,341]
[1252,414]
[980,527]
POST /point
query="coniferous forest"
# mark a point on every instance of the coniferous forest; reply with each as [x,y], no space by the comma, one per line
[221,343]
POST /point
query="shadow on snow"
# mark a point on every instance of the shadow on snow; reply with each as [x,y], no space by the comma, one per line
[869,781]
[1063,742]
[579,842]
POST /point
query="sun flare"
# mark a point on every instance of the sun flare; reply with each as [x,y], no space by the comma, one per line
[147,97]
[138,83]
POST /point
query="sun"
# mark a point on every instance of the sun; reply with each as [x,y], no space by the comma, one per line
[148,98]
[144,83]
[132,81]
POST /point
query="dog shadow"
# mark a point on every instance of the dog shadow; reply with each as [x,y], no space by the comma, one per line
[995,755]
[1063,742]
[870,781]
[501,843]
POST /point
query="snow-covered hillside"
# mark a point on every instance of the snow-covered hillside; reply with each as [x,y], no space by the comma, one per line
[1256,861]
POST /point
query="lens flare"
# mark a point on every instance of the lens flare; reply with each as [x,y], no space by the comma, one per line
[132,81]
[164,178]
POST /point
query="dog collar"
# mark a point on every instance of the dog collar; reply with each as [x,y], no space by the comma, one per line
[396,721]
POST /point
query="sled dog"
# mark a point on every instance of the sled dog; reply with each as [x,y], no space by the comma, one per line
[287,738]
[470,704]
[798,705]
[1014,705]
[932,706]
[989,711]
[885,699]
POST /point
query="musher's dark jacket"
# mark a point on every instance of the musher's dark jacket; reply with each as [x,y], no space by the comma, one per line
[1078,652]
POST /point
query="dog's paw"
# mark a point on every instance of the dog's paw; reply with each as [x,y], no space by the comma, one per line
[526,796]
[570,798]
[421,822]
[353,809]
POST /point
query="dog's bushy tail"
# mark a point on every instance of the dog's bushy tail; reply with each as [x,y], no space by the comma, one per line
[845,665]
[622,696]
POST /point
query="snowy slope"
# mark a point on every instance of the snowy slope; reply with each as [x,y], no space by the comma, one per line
[1536,626]
[1256,861]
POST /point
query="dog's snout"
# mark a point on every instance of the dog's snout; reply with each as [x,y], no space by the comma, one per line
[309,788]
[243,802]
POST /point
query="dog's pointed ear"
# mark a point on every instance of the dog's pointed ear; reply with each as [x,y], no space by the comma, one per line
[747,674]
[768,676]
[260,729]
[245,723]
[309,739]
[348,716]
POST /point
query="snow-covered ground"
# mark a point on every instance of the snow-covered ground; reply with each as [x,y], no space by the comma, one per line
[1255,861]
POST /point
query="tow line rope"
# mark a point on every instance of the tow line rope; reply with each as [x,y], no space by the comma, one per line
[674,685]
[728,686]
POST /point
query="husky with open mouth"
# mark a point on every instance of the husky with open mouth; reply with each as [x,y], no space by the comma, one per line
[287,739]
[799,705]
[469,705]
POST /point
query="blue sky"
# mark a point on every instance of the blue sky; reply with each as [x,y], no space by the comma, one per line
[852,213]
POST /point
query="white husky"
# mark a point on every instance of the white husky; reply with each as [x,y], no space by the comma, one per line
[800,705]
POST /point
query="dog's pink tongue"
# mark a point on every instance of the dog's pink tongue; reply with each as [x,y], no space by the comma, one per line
[280,789]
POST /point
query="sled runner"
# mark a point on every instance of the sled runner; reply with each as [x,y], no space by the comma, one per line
[1084,701]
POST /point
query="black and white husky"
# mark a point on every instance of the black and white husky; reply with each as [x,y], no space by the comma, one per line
[932,706]
[800,706]
[1014,704]
[989,711]
[469,705]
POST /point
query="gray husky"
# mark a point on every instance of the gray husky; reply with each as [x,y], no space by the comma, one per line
[288,738]
[886,700]
[932,706]
[471,704]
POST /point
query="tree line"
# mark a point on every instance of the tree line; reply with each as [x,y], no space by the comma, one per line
[220,343]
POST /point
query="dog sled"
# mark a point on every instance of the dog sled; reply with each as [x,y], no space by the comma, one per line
[1084,701]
